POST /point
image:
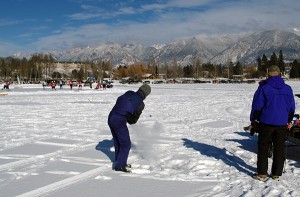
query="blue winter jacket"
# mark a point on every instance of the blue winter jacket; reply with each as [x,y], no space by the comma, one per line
[273,102]
[129,106]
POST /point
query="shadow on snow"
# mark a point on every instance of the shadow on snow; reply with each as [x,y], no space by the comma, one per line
[220,154]
[105,146]
[249,144]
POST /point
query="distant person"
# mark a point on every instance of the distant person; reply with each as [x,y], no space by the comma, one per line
[99,85]
[6,85]
[91,84]
[273,108]
[53,84]
[61,84]
[71,84]
[80,85]
[127,109]
[44,84]
[104,84]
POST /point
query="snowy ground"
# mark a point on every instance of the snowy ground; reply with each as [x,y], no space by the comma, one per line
[189,141]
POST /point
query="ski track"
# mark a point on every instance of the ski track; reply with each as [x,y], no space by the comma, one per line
[64,183]
[161,150]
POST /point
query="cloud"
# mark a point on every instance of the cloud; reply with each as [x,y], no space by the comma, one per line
[167,21]
[8,22]
[170,26]
[177,4]
[127,10]
[72,37]
[8,49]
[88,11]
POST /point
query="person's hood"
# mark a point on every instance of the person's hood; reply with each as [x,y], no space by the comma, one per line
[141,94]
[276,82]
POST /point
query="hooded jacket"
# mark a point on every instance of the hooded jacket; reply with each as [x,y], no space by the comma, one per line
[273,102]
[129,106]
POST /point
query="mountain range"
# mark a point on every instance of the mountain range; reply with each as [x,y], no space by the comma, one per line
[216,50]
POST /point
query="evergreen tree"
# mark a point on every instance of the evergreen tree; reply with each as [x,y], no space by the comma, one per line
[188,71]
[295,69]
[273,60]
[280,61]
[238,69]
[80,74]
[74,74]
[218,70]
[265,65]
[259,64]
[230,69]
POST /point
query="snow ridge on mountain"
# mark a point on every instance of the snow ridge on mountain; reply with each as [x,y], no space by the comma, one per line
[217,50]
[249,48]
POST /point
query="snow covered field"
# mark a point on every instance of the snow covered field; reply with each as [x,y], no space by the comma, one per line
[189,141]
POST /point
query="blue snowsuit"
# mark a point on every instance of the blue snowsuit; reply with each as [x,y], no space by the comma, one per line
[128,108]
[273,107]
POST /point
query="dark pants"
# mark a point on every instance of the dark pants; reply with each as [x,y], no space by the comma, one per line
[121,138]
[267,135]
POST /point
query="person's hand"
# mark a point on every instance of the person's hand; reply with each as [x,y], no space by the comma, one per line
[289,126]
[254,128]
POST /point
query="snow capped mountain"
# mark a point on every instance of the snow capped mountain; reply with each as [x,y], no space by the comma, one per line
[249,48]
[203,48]
[159,46]
[114,52]
[22,55]
[185,50]
[217,50]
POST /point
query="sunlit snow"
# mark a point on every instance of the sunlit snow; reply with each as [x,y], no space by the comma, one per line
[189,141]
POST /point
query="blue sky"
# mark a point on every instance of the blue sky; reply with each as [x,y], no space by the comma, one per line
[31,26]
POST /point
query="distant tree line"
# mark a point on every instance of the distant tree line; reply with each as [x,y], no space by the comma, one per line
[291,68]
[209,70]
[264,63]
[32,69]
[43,66]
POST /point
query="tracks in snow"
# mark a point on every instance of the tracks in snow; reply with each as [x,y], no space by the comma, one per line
[65,183]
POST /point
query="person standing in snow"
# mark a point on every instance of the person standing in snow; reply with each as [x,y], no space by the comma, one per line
[61,84]
[71,84]
[99,85]
[104,84]
[91,84]
[273,108]
[79,85]
[127,109]
[53,85]
[44,85]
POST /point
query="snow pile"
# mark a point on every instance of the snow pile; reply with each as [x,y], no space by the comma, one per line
[188,142]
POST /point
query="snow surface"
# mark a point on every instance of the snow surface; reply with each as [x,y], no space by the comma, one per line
[189,141]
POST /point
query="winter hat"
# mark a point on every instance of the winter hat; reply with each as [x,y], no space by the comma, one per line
[145,89]
[274,71]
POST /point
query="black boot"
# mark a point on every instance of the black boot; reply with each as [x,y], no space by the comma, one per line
[123,169]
